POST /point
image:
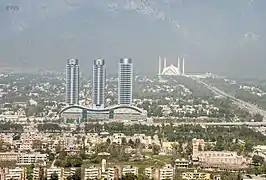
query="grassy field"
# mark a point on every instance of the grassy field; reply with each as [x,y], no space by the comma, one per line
[155,161]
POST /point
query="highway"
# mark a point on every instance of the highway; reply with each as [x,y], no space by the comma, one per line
[216,123]
[253,109]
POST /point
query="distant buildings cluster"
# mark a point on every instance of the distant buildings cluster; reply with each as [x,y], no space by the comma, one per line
[104,172]
[125,80]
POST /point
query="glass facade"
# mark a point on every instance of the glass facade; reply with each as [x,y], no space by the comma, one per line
[72,82]
[125,82]
[99,83]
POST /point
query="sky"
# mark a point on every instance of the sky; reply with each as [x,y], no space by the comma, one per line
[220,36]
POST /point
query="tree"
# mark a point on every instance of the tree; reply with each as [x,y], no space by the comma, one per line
[258,117]
[41,173]
[57,163]
[131,143]
[51,156]
[54,176]
[76,176]
[174,148]
[58,148]
[258,160]
[248,146]
[200,147]
[155,149]
[62,155]
[30,172]
[124,141]
[129,176]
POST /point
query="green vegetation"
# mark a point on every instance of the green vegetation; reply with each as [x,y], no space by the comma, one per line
[49,127]
[242,94]
[4,146]
[29,172]
[68,161]
[11,127]
[225,136]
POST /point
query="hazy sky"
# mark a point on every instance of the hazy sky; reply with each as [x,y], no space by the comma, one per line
[220,36]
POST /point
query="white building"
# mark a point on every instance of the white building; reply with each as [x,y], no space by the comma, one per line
[92,173]
[72,82]
[51,171]
[98,83]
[112,173]
[149,172]
[125,80]
[15,174]
[34,158]
[181,163]
[171,70]
[166,172]
[130,170]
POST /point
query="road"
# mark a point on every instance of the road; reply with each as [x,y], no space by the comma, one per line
[258,124]
[253,109]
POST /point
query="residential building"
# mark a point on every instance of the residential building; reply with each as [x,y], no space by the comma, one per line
[129,170]
[167,172]
[196,175]
[50,171]
[92,173]
[9,156]
[34,158]
[181,163]
[149,172]
[14,174]
[112,173]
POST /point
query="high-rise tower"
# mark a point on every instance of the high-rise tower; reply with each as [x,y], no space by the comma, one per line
[160,63]
[183,69]
[99,82]
[72,82]
[125,80]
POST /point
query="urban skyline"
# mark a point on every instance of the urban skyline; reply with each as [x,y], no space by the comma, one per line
[83,95]
[125,82]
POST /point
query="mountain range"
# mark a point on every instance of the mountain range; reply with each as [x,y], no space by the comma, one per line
[220,36]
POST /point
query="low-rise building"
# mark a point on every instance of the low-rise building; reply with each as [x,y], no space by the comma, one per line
[129,170]
[112,173]
[149,172]
[195,175]
[9,156]
[14,174]
[167,172]
[51,171]
[92,173]
[34,158]
[181,163]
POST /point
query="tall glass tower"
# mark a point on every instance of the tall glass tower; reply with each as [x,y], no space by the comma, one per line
[125,80]
[99,82]
[72,82]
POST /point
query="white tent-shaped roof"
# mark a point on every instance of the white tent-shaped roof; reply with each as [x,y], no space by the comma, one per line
[171,71]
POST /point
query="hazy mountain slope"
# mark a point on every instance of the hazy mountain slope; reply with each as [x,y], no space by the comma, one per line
[217,36]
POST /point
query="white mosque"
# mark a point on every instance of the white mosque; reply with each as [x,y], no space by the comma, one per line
[171,70]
